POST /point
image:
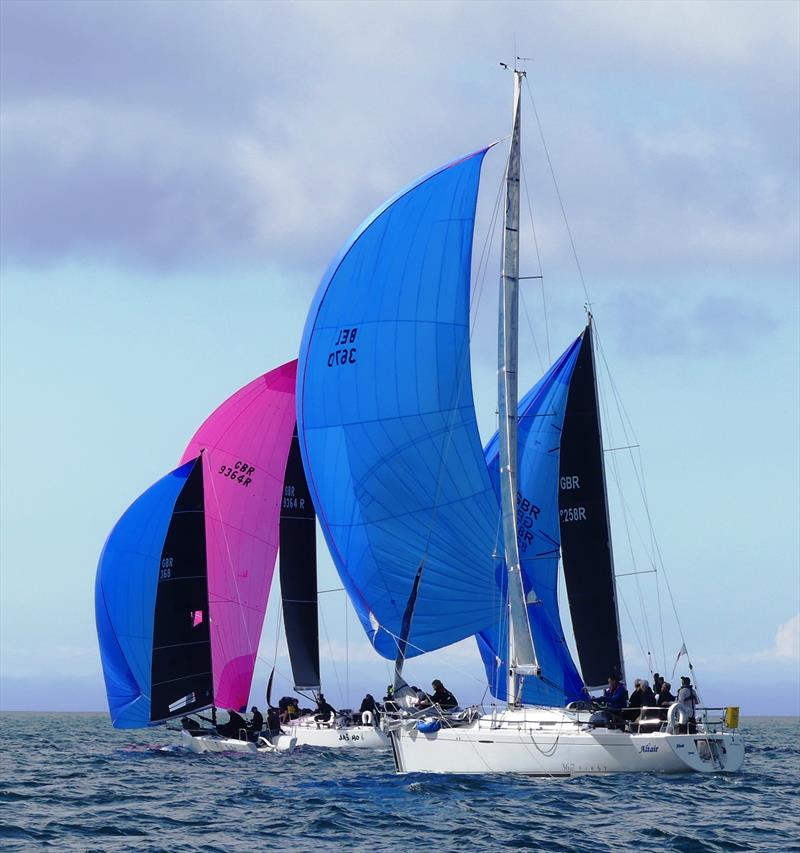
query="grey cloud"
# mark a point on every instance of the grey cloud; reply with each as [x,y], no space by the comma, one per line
[696,324]
[207,134]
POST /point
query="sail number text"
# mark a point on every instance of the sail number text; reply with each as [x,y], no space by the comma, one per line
[239,471]
[571,513]
[527,513]
[290,501]
[345,353]
[166,568]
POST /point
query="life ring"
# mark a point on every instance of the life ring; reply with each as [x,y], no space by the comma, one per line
[366,718]
[678,715]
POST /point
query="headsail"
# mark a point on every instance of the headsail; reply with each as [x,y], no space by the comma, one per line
[183,579]
[386,419]
[298,568]
[540,415]
[244,444]
[151,604]
[585,534]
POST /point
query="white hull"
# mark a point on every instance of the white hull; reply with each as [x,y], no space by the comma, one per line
[307,732]
[545,742]
[217,743]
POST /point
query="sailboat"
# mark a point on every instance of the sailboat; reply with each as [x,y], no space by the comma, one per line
[183,580]
[436,540]
[299,600]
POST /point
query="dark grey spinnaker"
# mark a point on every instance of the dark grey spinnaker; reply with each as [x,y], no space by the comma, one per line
[585,534]
[298,572]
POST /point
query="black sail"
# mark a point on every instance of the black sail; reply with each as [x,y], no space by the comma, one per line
[298,569]
[181,666]
[585,534]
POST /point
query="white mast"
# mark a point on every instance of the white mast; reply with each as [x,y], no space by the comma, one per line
[521,655]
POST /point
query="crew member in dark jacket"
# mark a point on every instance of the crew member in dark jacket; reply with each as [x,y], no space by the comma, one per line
[274,722]
[324,710]
[256,724]
[368,703]
[235,726]
[648,699]
[665,697]
[440,696]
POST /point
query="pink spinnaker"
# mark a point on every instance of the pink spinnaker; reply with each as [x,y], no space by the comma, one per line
[245,444]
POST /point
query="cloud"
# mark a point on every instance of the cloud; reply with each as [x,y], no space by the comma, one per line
[697,323]
[787,644]
[785,650]
[787,640]
[229,145]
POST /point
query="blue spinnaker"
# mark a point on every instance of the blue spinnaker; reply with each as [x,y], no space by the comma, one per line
[541,415]
[386,419]
[125,595]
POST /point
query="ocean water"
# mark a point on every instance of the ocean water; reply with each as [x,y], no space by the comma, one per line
[71,782]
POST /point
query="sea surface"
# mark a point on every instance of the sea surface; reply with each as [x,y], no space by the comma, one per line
[71,782]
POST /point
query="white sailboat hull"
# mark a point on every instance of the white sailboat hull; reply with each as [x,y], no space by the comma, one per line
[307,732]
[554,743]
[217,743]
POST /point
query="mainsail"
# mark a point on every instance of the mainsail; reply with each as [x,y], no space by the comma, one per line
[151,604]
[387,424]
[244,444]
[540,416]
[298,571]
[585,534]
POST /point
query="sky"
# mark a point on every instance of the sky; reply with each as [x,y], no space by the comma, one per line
[175,177]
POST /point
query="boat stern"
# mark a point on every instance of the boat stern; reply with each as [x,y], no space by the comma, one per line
[709,753]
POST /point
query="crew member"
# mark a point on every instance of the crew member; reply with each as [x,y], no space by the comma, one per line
[235,728]
[615,694]
[688,696]
[665,698]
[368,703]
[256,723]
[440,696]
[325,711]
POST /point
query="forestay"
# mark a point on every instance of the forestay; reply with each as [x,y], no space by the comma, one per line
[386,419]
[541,414]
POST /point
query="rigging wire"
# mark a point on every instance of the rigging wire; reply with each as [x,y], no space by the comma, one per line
[626,520]
[419,649]
[346,650]
[539,262]
[632,623]
[330,653]
[657,557]
[558,191]
[638,473]
[483,262]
